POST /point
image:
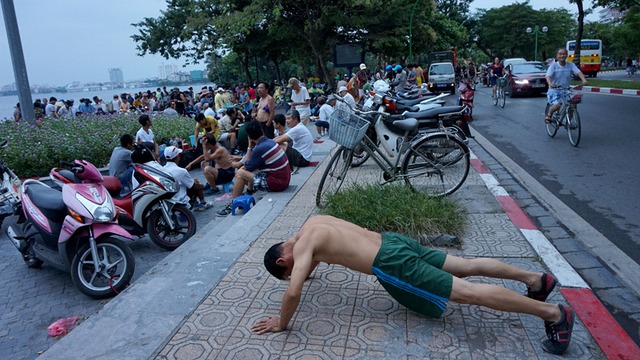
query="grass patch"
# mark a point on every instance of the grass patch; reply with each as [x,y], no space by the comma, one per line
[397,208]
[616,84]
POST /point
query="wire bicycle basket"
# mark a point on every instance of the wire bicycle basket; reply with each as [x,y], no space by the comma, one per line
[345,127]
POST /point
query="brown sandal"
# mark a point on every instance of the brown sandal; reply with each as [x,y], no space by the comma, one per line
[547,119]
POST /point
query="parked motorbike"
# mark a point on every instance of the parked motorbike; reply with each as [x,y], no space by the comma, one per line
[74,230]
[467,93]
[9,188]
[148,209]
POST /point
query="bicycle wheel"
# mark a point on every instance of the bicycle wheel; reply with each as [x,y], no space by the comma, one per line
[437,165]
[573,128]
[334,175]
[503,99]
[552,127]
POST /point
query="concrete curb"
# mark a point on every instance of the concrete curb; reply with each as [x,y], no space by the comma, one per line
[611,90]
[610,336]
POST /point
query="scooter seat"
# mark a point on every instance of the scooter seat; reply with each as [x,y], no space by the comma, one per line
[434,113]
[48,200]
[410,102]
[407,124]
[410,108]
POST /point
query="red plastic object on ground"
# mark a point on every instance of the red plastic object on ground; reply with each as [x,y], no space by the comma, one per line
[61,326]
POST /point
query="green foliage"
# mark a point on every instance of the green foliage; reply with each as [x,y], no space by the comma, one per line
[34,149]
[397,208]
[502,31]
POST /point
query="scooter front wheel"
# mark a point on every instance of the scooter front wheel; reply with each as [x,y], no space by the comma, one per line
[116,266]
[184,226]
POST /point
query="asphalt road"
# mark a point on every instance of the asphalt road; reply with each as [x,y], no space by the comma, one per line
[598,179]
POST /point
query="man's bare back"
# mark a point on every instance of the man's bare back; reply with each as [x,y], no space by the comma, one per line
[336,241]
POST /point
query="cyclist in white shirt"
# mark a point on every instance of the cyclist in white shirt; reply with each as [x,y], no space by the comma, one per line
[559,76]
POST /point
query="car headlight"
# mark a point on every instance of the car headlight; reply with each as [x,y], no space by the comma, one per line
[522,82]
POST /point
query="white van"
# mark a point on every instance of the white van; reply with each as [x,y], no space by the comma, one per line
[441,77]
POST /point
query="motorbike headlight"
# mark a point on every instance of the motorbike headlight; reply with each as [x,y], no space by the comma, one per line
[522,82]
[100,212]
[377,98]
[103,213]
[170,184]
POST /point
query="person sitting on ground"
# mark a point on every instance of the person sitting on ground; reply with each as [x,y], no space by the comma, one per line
[422,279]
[229,127]
[297,142]
[217,164]
[326,109]
[171,110]
[189,189]
[348,98]
[120,161]
[265,166]
[145,136]
[279,124]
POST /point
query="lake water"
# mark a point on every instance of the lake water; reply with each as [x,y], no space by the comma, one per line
[8,103]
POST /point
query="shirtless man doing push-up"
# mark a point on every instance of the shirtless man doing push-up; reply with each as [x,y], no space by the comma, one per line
[421,279]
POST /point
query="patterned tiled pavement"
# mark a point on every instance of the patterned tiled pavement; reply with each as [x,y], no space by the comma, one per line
[348,315]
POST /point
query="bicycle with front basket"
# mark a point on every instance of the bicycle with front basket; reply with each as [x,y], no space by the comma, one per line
[567,116]
[436,163]
[500,98]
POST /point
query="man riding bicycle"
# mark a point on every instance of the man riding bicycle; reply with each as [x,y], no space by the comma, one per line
[559,79]
[495,71]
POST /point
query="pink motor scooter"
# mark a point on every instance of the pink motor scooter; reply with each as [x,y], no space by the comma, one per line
[74,230]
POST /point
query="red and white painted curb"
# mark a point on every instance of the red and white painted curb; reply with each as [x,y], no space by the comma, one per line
[611,90]
[612,339]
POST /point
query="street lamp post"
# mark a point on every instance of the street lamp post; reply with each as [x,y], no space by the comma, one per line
[536,31]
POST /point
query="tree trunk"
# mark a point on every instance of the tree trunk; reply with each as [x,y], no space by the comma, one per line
[244,60]
[257,69]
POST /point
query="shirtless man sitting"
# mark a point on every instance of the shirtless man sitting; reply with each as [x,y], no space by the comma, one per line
[222,172]
[419,278]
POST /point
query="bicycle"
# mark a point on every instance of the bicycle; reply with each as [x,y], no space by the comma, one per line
[567,116]
[436,163]
[500,97]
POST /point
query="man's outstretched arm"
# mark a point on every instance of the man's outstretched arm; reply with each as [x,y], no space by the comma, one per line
[303,266]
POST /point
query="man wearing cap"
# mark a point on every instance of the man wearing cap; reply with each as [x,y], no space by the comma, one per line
[348,98]
[361,79]
[189,189]
[218,100]
[300,100]
[400,81]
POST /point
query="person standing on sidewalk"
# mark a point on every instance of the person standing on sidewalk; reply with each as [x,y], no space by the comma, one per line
[419,278]
[266,110]
[300,100]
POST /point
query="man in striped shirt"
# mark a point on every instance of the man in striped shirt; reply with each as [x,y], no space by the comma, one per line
[264,167]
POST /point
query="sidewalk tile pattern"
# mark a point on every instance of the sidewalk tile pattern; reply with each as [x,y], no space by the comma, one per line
[348,315]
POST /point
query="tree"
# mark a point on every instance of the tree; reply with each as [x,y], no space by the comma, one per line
[501,32]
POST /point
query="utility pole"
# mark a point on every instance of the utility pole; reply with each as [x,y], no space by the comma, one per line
[17,59]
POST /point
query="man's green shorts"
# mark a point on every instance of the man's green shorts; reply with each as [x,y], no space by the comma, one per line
[412,274]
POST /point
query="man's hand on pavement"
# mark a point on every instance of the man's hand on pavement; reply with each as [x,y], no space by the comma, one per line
[270,324]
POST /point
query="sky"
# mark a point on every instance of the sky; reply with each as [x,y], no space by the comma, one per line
[79,40]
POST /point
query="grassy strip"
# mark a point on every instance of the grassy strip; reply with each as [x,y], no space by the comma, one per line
[33,149]
[615,84]
[397,208]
